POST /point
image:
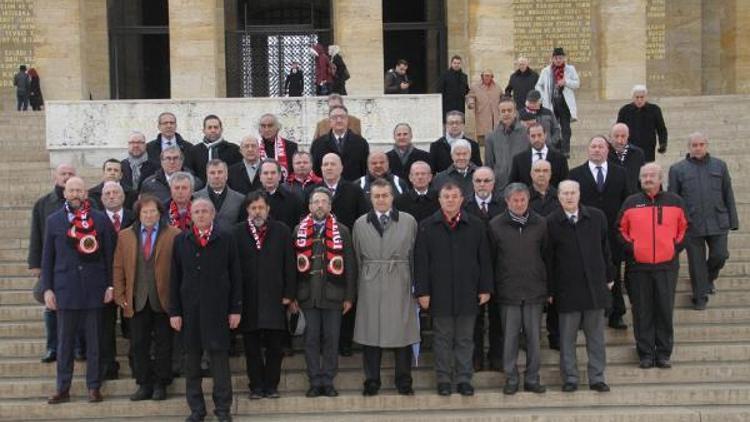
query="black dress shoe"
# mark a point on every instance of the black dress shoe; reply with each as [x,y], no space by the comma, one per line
[59,397]
[224,417]
[95,396]
[255,394]
[313,392]
[569,387]
[535,388]
[646,364]
[617,324]
[371,388]
[712,288]
[405,390]
[272,393]
[465,389]
[143,393]
[330,391]
[444,389]
[510,389]
[600,387]
[49,357]
[700,304]
[196,417]
[160,393]
[663,364]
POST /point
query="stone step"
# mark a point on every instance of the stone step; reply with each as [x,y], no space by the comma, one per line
[640,397]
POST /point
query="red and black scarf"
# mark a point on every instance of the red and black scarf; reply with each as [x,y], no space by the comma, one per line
[182,222]
[202,238]
[559,72]
[279,151]
[258,233]
[333,242]
[82,231]
[311,179]
[452,222]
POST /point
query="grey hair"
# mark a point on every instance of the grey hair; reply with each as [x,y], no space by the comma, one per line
[180,176]
[515,188]
[398,125]
[456,113]
[138,134]
[639,88]
[324,190]
[460,143]
[492,172]
[697,135]
[276,121]
[539,163]
[652,165]
[568,182]
[203,199]
[111,183]
[216,162]
[172,148]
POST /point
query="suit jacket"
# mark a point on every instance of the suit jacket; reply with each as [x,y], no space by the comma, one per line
[124,265]
[495,207]
[78,282]
[544,205]
[127,220]
[240,182]
[419,207]
[95,195]
[229,212]
[353,157]
[157,185]
[147,169]
[290,147]
[402,170]
[440,154]
[153,149]
[286,206]
[520,170]
[225,151]
[349,202]
[43,207]
[634,160]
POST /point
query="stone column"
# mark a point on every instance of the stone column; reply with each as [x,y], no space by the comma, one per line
[622,46]
[196,48]
[96,47]
[358,30]
[741,43]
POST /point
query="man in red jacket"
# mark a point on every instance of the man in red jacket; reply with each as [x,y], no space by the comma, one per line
[652,226]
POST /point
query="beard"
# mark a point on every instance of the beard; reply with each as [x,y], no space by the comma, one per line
[258,221]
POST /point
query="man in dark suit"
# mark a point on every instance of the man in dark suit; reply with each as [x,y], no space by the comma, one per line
[352,148]
[440,150]
[404,154]
[543,199]
[378,168]
[213,146]
[520,170]
[272,145]
[349,201]
[167,137]
[645,122]
[286,206]
[625,154]
[158,183]
[43,207]
[113,199]
[244,176]
[137,166]
[76,281]
[205,303]
[485,205]
[605,187]
[227,202]
[420,201]
[111,172]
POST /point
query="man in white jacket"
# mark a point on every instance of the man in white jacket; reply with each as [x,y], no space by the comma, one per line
[556,83]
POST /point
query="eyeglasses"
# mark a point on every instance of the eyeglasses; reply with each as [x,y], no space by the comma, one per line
[171,158]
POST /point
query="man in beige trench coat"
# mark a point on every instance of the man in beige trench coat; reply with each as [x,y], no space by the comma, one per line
[386,315]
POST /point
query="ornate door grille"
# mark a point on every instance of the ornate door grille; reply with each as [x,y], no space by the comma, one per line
[266,59]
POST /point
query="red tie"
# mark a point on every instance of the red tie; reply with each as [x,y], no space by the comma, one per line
[116,222]
[147,243]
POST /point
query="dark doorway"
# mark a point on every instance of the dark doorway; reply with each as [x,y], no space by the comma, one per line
[264,38]
[138,48]
[415,31]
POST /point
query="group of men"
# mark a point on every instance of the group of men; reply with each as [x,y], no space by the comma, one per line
[356,241]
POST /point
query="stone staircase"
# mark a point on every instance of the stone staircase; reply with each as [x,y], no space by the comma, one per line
[710,380]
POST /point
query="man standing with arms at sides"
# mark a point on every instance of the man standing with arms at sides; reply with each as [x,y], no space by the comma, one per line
[645,122]
[420,201]
[557,83]
[378,168]
[179,212]
[520,171]
[507,140]
[625,154]
[286,207]
[76,281]
[352,148]
[158,183]
[440,150]
[704,183]
[302,175]
[269,284]
[652,226]
[213,146]
[386,318]
[205,303]
[581,275]
[521,82]
[167,138]
[272,145]
[137,167]
[453,273]
[454,85]
[244,177]
[326,286]
[460,172]
[227,201]
[43,208]
[404,154]
[142,265]
[348,199]
[605,187]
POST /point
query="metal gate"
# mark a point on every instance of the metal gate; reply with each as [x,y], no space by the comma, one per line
[266,60]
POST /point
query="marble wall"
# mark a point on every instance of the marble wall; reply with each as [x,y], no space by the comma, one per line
[86,133]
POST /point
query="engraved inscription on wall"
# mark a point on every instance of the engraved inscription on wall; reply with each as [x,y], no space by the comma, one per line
[16,40]
[541,25]
[656,41]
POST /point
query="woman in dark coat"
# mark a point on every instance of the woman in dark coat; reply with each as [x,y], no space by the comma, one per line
[339,70]
[35,92]
[294,83]
[268,285]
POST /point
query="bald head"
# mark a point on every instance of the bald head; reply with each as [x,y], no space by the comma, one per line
[75,192]
[331,168]
[619,135]
[62,173]
[541,174]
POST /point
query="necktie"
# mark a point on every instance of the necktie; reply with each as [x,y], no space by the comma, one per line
[384,219]
[599,178]
[169,144]
[573,219]
[484,207]
[539,156]
[621,156]
[340,143]
[116,222]
[147,243]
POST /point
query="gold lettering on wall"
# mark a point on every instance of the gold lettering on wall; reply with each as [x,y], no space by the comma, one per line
[16,38]
[656,42]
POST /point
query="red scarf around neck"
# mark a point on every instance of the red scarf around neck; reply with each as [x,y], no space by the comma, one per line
[279,149]
[82,231]
[333,242]
[181,222]
[259,233]
[452,222]
[202,238]
[559,72]
[310,179]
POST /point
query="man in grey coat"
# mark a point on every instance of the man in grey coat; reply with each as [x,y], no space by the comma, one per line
[227,202]
[22,82]
[704,184]
[386,310]
[507,140]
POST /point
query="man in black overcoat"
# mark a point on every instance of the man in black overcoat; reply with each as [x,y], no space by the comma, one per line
[352,148]
[349,200]
[626,155]
[520,170]
[420,201]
